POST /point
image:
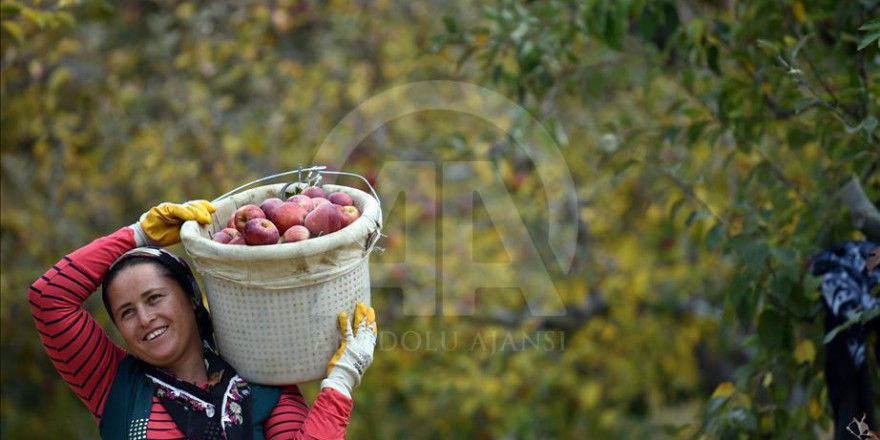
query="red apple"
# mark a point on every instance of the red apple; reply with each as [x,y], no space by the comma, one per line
[349,215]
[288,214]
[318,201]
[270,205]
[313,191]
[295,234]
[226,235]
[238,240]
[340,198]
[304,201]
[245,214]
[231,222]
[260,231]
[323,220]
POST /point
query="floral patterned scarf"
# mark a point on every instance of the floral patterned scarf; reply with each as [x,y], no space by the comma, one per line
[220,412]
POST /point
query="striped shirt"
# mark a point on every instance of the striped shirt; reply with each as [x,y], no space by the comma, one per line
[88,359]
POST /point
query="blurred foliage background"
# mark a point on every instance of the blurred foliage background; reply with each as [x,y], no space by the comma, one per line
[708,143]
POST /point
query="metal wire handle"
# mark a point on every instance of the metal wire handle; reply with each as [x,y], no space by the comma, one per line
[275,176]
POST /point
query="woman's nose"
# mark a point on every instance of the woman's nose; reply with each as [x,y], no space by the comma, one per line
[145,315]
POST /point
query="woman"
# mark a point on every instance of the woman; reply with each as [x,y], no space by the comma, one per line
[171,384]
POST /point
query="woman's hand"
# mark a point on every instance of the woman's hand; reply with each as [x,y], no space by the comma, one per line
[161,225]
[347,366]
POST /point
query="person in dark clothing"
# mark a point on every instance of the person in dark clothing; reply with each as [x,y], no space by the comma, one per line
[849,271]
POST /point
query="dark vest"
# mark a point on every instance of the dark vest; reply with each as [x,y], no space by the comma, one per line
[128,407]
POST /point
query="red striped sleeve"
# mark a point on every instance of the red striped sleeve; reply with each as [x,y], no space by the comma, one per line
[292,418]
[81,351]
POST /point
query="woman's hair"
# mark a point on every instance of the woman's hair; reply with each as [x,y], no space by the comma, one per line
[169,266]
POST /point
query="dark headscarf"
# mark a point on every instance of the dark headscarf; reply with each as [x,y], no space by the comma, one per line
[199,413]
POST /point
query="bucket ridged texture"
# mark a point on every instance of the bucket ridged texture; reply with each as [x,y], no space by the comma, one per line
[274,308]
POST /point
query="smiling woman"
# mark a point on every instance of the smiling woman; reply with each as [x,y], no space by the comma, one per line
[171,383]
[154,315]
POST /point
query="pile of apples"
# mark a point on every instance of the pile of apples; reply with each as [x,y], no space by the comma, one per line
[312,213]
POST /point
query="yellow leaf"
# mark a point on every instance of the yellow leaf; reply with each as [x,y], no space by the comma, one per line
[800,14]
[14,29]
[815,409]
[590,395]
[805,352]
[724,390]
[768,380]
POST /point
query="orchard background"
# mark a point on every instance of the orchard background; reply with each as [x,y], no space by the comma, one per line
[709,143]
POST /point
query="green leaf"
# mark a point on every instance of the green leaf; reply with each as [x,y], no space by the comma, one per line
[451,24]
[784,256]
[799,45]
[811,284]
[853,320]
[774,329]
[769,47]
[869,124]
[753,254]
[674,430]
[712,54]
[868,39]
[871,25]
[7,10]
[675,207]
[805,103]
[694,132]
[714,236]
[521,30]
[857,317]
[850,129]
[743,297]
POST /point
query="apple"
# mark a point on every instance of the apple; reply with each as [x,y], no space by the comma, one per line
[349,215]
[288,214]
[325,219]
[226,235]
[231,222]
[318,201]
[270,205]
[238,240]
[245,214]
[314,191]
[340,198]
[260,231]
[304,201]
[296,233]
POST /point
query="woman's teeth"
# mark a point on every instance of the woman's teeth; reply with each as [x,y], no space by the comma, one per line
[155,333]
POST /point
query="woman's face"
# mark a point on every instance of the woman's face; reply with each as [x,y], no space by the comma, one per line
[155,317]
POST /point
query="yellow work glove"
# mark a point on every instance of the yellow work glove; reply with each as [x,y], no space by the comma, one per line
[355,354]
[160,225]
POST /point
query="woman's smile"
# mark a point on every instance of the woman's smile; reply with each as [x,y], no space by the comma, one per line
[156,333]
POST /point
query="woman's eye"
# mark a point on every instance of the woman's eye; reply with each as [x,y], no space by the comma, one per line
[126,313]
[155,298]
